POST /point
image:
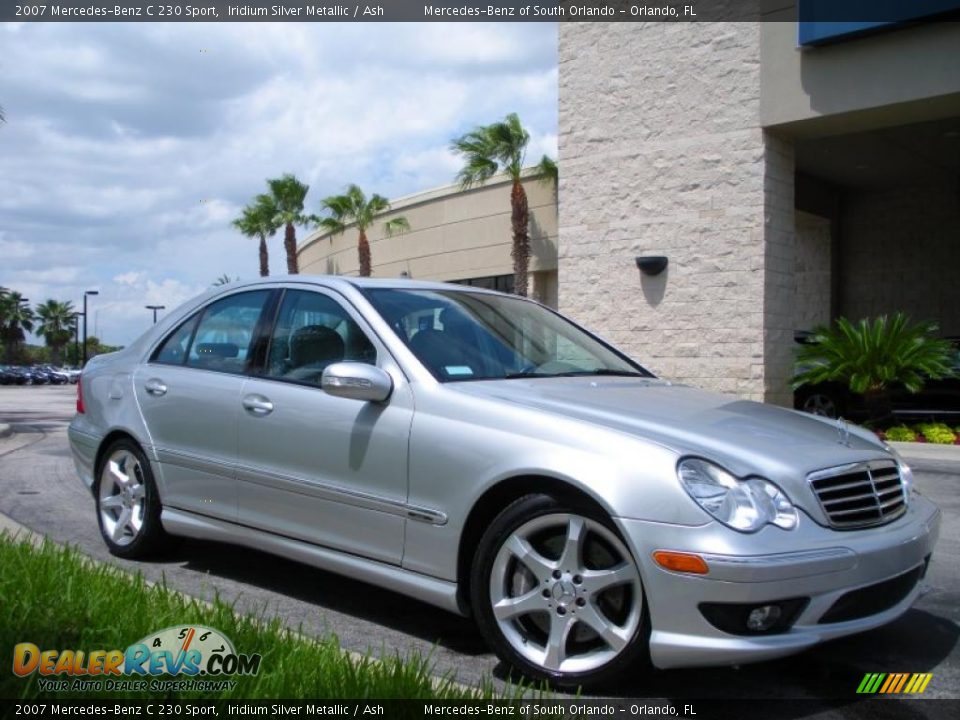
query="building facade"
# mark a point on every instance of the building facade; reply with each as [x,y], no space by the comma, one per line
[455,236]
[787,185]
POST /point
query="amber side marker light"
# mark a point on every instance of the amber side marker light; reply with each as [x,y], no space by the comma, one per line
[681,562]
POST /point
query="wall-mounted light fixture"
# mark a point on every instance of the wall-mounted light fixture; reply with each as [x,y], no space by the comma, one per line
[652,264]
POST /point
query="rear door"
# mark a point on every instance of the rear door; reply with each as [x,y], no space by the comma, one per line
[189,394]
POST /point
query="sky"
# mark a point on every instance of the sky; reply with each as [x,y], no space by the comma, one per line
[129,148]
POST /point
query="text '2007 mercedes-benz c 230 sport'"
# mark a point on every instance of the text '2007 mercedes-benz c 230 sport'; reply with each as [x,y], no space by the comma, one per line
[482,453]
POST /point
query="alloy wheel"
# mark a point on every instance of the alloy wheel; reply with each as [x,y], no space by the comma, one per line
[565,593]
[122,497]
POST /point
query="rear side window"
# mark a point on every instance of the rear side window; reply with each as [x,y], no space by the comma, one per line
[173,351]
[224,336]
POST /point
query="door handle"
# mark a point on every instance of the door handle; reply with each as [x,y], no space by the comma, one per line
[258,404]
[155,387]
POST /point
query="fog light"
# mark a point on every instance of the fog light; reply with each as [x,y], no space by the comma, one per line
[763,618]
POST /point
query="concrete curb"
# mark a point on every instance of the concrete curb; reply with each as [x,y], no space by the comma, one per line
[927,451]
[5,430]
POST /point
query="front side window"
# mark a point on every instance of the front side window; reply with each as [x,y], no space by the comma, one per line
[462,335]
[312,332]
[225,333]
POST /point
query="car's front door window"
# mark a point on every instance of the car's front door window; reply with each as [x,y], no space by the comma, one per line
[312,332]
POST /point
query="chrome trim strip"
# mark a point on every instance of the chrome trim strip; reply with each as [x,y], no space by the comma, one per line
[366,501]
[268,478]
[437,592]
[194,462]
[779,566]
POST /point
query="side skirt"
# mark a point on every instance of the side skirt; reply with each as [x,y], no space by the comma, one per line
[440,593]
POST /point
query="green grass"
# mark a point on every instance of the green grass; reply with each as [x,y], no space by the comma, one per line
[58,599]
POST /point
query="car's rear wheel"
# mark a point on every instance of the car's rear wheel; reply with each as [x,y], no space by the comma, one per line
[128,507]
[558,595]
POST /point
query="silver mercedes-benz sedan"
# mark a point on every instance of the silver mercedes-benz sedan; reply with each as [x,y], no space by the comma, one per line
[484,454]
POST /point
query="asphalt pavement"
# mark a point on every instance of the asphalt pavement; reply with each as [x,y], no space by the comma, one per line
[38,489]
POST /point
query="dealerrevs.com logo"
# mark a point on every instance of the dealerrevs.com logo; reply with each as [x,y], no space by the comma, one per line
[205,656]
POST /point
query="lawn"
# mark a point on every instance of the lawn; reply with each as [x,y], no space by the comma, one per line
[59,599]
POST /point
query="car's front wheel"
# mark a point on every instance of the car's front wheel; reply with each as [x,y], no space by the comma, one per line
[128,507]
[558,595]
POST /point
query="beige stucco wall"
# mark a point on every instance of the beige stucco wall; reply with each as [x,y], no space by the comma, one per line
[454,235]
[662,153]
[905,75]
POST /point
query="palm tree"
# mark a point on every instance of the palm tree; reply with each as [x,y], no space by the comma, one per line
[16,319]
[288,195]
[223,280]
[501,147]
[870,357]
[353,208]
[256,220]
[56,326]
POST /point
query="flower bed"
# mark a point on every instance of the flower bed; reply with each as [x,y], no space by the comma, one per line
[935,433]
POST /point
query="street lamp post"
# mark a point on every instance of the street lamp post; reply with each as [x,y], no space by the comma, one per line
[155,308]
[76,338]
[88,292]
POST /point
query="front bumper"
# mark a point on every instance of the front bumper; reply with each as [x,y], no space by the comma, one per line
[810,561]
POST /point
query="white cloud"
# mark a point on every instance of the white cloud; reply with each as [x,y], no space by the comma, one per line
[126,147]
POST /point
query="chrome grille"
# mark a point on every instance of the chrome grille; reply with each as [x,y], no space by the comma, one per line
[861,494]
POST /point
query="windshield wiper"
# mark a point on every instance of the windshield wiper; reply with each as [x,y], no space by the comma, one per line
[575,373]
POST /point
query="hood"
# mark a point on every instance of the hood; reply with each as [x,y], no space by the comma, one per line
[745,437]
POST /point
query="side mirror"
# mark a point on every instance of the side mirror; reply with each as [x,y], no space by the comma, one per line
[357,381]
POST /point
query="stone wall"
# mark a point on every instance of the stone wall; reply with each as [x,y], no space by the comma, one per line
[662,153]
[901,251]
[812,281]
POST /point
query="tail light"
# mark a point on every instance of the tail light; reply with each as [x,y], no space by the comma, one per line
[80,408]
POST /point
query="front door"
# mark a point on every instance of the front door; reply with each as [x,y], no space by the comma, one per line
[327,470]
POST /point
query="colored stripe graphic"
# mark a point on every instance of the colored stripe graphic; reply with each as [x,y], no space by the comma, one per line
[894,683]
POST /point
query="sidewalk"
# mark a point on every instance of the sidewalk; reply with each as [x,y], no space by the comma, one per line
[927,451]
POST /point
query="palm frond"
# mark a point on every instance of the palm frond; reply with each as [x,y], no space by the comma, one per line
[548,171]
[396,225]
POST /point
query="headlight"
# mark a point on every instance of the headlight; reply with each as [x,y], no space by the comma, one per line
[744,505]
[906,475]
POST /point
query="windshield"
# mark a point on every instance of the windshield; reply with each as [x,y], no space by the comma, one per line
[463,335]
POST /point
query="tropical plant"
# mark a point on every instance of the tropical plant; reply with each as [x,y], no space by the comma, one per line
[501,147]
[256,220]
[224,280]
[354,208]
[288,195]
[56,326]
[16,320]
[871,356]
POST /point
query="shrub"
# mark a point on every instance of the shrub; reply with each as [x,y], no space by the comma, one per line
[900,433]
[937,433]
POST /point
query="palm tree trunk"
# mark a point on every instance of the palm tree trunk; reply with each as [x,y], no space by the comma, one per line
[363,249]
[264,260]
[520,218]
[878,406]
[55,354]
[290,245]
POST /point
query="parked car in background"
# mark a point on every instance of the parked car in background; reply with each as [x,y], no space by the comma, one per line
[7,376]
[482,453]
[937,400]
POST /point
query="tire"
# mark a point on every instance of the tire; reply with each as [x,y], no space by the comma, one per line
[128,506]
[557,594]
[822,403]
